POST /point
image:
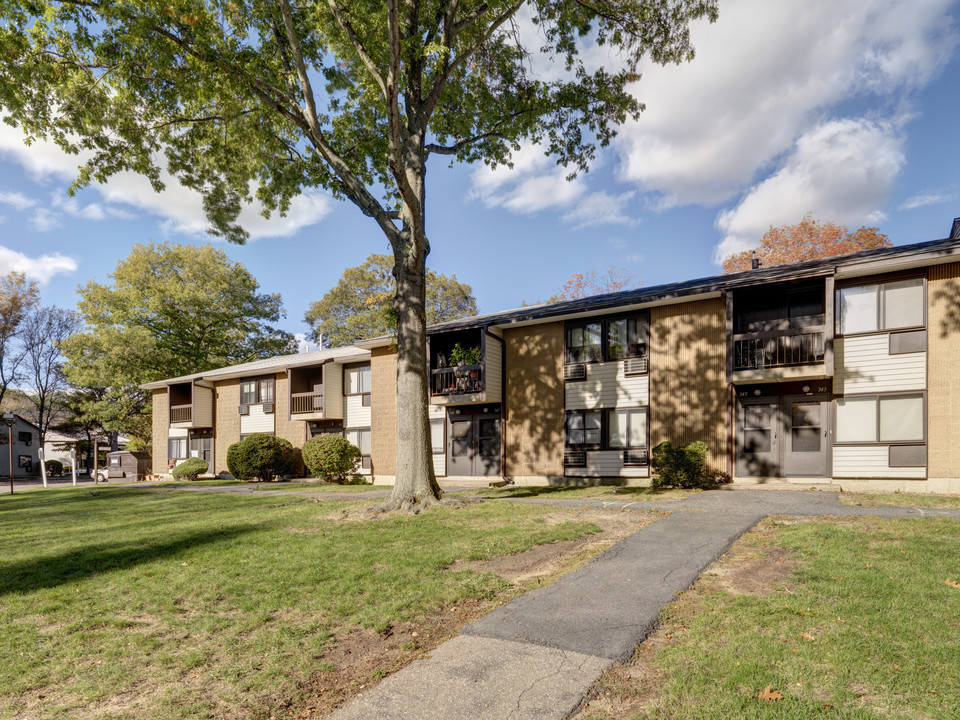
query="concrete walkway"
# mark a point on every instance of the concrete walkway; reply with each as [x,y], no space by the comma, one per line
[538,656]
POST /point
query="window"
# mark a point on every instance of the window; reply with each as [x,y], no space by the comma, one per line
[880,418]
[881,306]
[610,339]
[315,429]
[436,435]
[584,343]
[626,429]
[256,390]
[360,437]
[26,438]
[583,429]
[177,448]
[358,383]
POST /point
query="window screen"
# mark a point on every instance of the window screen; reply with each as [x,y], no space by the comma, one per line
[858,309]
[857,419]
[901,418]
[902,304]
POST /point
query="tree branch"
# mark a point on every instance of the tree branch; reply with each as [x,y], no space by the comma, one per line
[359,47]
[310,112]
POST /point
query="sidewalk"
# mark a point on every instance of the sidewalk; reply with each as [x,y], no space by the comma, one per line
[537,657]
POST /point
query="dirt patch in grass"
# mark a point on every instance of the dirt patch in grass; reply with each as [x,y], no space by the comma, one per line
[757,573]
[359,659]
[547,560]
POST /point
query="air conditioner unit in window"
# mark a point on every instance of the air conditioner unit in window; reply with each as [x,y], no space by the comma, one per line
[577,371]
[268,407]
[574,458]
[635,457]
[244,409]
[635,366]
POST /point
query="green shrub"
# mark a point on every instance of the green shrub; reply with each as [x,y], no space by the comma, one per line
[54,467]
[190,469]
[260,456]
[331,458]
[684,467]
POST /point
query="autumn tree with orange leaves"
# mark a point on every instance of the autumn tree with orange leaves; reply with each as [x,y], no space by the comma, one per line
[581,285]
[807,240]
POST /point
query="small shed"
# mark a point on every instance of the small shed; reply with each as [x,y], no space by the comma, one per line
[128,465]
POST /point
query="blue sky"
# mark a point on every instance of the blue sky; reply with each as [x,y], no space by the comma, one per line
[841,108]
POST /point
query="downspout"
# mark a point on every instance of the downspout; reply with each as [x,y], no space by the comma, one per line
[503,403]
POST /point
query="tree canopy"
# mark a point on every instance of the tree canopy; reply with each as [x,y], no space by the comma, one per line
[360,305]
[581,285]
[18,297]
[807,240]
[171,310]
[242,98]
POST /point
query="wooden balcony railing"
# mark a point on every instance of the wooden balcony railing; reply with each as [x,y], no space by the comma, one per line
[781,349]
[310,402]
[460,380]
[181,413]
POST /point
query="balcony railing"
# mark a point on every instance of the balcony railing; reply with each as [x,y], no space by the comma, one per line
[783,349]
[181,413]
[309,402]
[460,380]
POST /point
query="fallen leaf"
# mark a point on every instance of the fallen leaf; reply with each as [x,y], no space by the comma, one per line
[769,694]
[808,636]
[952,583]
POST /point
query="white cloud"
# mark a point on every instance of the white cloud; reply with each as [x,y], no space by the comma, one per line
[600,208]
[765,74]
[304,345]
[180,209]
[42,269]
[928,198]
[16,200]
[44,220]
[841,171]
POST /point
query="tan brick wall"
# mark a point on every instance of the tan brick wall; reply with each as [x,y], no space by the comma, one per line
[227,429]
[383,410]
[688,392]
[293,430]
[943,371]
[161,424]
[533,401]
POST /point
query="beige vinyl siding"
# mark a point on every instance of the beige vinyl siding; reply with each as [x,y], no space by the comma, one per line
[437,412]
[257,421]
[607,386]
[202,407]
[355,415]
[864,365]
[606,463]
[176,432]
[869,461]
[493,370]
[333,391]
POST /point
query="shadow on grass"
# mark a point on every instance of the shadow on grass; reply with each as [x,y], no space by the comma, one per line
[44,498]
[577,490]
[52,571]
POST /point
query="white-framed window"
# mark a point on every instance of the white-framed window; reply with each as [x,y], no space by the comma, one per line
[436,436]
[359,383]
[880,306]
[254,391]
[881,419]
[360,437]
[177,448]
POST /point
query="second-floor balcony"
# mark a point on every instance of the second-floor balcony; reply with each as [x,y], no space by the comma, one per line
[788,348]
[460,380]
[181,413]
[306,403]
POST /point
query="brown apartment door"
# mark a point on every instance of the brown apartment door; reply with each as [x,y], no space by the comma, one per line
[473,444]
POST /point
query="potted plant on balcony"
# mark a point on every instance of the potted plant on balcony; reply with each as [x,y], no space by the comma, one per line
[461,357]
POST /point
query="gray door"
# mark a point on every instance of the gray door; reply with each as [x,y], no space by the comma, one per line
[758,438]
[474,445]
[806,435]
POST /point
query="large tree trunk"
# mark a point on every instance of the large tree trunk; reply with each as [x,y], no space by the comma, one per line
[416,484]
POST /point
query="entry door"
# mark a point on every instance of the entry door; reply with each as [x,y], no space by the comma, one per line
[474,445]
[758,438]
[805,441]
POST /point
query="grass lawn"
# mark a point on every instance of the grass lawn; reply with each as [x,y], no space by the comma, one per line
[950,502]
[161,604]
[605,492]
[843,619]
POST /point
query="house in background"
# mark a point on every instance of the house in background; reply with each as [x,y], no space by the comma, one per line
[844,370]
[26,442]
[58,445]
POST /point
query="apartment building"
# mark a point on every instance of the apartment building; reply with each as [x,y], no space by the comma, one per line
[842,370]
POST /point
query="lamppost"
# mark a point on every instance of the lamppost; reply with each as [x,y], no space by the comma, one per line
[10,419]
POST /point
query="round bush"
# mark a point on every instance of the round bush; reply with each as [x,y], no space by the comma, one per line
[54,467]
[331,458]
[260,456]
[190,469]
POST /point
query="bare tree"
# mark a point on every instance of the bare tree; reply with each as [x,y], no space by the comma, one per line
[43,333]
[17,298]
